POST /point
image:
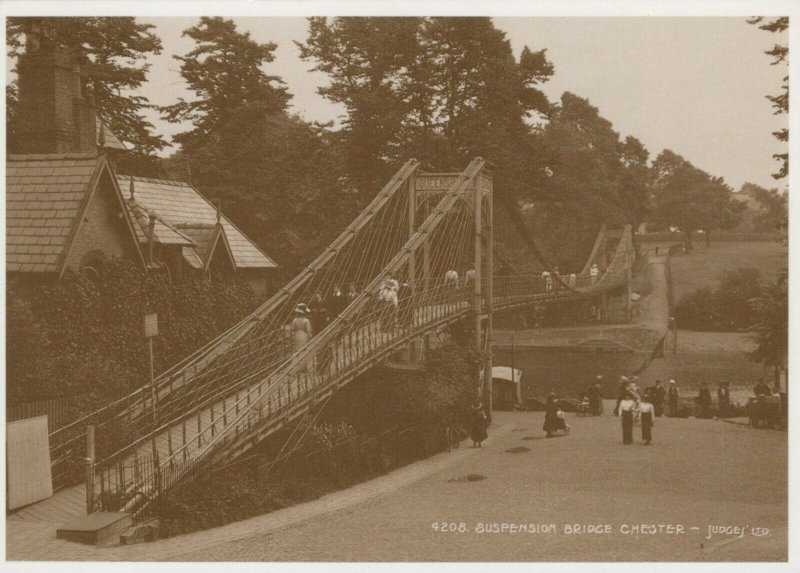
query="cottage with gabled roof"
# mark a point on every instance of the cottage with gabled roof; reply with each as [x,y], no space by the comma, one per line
[65,212]
[68,209]
[216,246]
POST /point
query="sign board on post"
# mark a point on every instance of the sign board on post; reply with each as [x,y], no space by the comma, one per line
[150,325]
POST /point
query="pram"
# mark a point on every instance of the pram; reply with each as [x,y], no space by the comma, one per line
[555,422]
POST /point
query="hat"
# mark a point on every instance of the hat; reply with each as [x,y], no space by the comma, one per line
[599,376]
[672,381]
[301,308]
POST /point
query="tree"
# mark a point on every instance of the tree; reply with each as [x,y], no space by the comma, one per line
[774,214]
[780,102]
[113,51]
[277,177]
[442,89]
[593,178]
[690,199]
[224,71]
[771,325]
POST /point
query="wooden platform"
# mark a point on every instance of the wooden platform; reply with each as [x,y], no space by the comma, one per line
[62,507]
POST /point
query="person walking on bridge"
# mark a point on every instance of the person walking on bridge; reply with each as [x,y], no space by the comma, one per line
[301,327]
[470,276]
[451,279]
[547,278]
[594,273]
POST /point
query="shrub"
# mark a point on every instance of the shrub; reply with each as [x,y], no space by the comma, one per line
[380,421]
[80,338]
[728,308]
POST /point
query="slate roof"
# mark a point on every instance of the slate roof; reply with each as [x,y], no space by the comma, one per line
[44,195]
[111,140]
[203,237]
[192,258]
[181,205]
[164,233]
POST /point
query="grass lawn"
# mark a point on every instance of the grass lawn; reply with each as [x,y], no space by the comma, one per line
[704,266]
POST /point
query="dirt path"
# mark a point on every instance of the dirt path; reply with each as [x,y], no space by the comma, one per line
[698,473]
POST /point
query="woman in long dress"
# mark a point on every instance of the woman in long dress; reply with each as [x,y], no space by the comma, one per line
[553,417]
[301,327]
[477,430]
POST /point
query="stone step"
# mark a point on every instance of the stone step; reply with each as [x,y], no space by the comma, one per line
[99,528]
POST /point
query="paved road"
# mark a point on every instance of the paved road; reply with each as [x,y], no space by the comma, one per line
[698,473]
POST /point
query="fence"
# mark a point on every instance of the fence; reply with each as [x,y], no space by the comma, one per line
[298,460]
[56,409]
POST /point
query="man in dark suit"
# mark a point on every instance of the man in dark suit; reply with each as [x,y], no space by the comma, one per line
[674,398]
[723,399]
[659,395]
[704,400]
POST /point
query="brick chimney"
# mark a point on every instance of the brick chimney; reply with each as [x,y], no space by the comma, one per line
[55,110]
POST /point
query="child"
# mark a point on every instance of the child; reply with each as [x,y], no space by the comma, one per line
[647,414]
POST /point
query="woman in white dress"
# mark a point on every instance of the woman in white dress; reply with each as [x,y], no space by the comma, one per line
[301,327]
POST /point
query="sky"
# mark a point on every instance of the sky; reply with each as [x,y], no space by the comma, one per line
[694,85]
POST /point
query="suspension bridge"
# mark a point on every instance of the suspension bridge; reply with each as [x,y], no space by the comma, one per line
[248,383]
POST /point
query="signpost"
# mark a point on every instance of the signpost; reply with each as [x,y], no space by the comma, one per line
[150,332]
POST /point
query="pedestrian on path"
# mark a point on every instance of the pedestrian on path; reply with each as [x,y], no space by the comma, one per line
[704,401]
[626,407]
[659,396]
[672,395]
[723,399]
[477,430]
[646,417]
[596,397]
[554,417]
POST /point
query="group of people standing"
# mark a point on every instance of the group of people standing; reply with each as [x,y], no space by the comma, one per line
[315,316]
[631,406]
[553,281]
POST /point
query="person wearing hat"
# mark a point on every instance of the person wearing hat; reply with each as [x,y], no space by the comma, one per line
[477,431]
[596,396]
[672,397]
[301,327]
[659,395]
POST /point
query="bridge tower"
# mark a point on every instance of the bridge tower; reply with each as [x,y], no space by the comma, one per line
[425,188]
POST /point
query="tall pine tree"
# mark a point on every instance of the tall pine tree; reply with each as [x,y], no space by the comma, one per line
[113,51]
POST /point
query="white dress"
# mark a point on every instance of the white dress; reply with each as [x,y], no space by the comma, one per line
[301,333]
